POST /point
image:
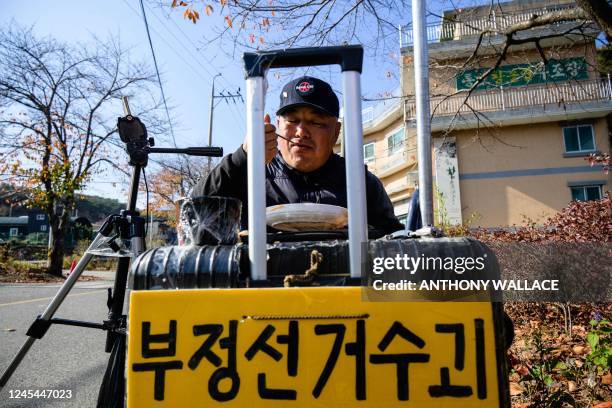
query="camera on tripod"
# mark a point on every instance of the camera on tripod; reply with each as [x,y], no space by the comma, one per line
[134,134]
[126,227]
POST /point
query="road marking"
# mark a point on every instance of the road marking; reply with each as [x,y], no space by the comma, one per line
[20,302]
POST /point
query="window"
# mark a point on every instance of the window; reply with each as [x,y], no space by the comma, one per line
[13,232]
[40,217]
[578,139]
[395,140]
[43,228]
[586,193]
[368,152]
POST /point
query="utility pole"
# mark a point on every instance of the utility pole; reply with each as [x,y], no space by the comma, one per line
[212,108]
[421,83]
[221,96]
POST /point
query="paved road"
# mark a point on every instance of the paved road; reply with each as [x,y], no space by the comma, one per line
[67,358]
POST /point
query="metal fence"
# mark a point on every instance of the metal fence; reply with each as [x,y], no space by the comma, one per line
[502,99]
[449,30]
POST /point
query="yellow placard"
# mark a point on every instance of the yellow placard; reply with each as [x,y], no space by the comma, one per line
[309,347]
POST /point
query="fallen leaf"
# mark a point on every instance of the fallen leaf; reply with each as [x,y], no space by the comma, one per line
[515,389]
[522,370]
[606,379]
[571,386]
[579,350]
[580,330]
[556,352]
[591,381]
[607,404]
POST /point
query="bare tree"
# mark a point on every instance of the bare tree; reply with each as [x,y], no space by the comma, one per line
[58,109]
[264,24]
[284,23]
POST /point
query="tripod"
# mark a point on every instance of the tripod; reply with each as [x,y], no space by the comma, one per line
[122,235]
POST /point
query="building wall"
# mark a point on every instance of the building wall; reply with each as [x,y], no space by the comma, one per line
[521,147]
[494,194]
[516,200]
[381,153]
[395,181]
[397,185]
[511,173]
[380,145]
[36,225]
[6,229]
[443,71]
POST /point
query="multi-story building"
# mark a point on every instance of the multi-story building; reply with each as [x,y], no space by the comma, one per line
[514,147]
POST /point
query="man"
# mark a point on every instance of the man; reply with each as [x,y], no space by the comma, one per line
[301,166]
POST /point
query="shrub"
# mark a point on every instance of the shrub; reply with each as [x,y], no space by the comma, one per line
[580,221]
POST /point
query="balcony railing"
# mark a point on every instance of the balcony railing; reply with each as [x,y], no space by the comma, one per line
[448,30]
[502,99]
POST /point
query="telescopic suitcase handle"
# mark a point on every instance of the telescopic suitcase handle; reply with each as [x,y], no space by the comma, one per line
[350,59]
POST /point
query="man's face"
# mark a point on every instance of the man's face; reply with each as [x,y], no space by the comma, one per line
[312,134]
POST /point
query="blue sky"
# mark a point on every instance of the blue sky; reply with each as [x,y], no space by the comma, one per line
[186,65]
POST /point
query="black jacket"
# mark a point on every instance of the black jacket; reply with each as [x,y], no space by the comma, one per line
[285,185]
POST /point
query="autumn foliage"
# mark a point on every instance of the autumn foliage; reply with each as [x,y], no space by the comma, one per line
[580,221]
[562,352]
[57,126]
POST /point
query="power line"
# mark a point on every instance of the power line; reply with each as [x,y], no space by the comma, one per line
[161,87]
[240,115]
[195,46]
[209,62]
[196,71]
[199,74]
[183,46]
[233,110]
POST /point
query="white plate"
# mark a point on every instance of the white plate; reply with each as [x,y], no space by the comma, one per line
[306,217]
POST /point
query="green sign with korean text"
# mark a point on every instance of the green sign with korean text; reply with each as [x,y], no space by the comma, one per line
[525,74]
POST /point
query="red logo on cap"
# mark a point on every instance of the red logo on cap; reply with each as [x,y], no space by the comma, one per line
[304,87]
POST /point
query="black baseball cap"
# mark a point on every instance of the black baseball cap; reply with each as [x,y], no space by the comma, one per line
[309,91]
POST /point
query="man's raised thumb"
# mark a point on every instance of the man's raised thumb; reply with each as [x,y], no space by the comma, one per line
[267,118]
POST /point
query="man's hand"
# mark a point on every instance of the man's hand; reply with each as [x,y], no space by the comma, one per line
[270,136]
